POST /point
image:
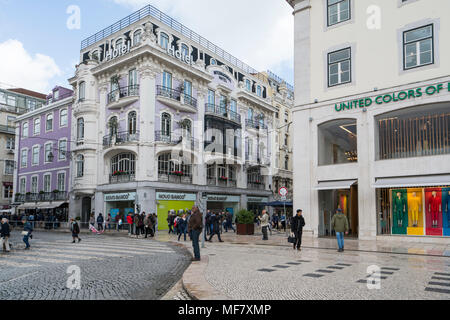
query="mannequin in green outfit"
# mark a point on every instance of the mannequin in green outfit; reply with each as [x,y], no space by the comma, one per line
[399,209]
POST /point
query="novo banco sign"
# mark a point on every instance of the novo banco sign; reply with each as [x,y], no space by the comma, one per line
[392,97]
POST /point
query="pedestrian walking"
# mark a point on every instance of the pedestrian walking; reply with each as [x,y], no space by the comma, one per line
[182,227]
[339,223]
[108,221]
[283,222]
[92,220]
[264,219]
[100,221]
[170,222]
[298,222]
[195,228]
[148,223]
[154,222]
[27,230]
[136,225]
[130,224]
[5,233]
[75,228]
[215,221]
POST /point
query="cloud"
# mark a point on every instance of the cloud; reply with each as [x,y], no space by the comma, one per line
[258,32]
[19,68]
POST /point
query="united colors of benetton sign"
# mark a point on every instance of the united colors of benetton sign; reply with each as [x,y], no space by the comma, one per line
[392,97]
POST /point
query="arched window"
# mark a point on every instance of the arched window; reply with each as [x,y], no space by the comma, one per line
[25,130]
[49,122]
[186,127]
[213,62]
[163,164]
[80,129]
[137,37]
[63,118]
[113,125]
[80,165]
[95,55]
[166,126]
[82,91]
[124,163]
[132,122]
[164,40]
[184,50]
[119,43]
[37,126]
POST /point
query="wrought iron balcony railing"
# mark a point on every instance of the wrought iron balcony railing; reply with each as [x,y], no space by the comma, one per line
[123,92]
[223,111]
[41,197]
[174,138]
[122,178]
[120,138]
[250,123]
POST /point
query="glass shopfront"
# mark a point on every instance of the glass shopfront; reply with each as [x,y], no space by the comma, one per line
[177,203]
[120,205]
[223,203]
[414,211]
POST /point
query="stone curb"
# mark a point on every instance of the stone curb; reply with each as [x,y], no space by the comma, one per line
[195,283]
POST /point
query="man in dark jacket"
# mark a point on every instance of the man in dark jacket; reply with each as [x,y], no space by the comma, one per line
[195,228]
[100,222]
[4,234]
[215,221]
[298,222]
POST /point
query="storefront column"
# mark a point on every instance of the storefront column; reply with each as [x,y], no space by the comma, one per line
[74,207]
[147,199]
[99,205]
[243,203]
[199,167]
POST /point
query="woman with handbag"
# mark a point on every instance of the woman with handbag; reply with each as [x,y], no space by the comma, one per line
[27,230]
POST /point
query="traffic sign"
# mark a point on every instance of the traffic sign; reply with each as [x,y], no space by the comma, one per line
[283,192]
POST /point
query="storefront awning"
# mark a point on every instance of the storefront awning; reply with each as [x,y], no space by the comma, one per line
[418,181]
[48,205]
[27,206]
[335,185]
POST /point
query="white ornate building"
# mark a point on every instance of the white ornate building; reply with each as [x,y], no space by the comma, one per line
[165,120]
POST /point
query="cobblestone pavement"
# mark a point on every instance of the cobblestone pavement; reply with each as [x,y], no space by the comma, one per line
[112,268]
[269,272]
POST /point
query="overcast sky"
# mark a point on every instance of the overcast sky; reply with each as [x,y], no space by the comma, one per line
[38,51]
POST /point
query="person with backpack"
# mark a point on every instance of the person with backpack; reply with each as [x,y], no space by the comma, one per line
[75,228]
[298,222]
[339,223]
[5,233]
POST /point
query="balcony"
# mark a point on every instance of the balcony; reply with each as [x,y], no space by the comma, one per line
[120,138]
[42,197]
[223,113]
[254,124]
[7,129]
[224,183]
[175,139]
[256,185]
[178,178]
[122,178]
[123,96]
[176,99]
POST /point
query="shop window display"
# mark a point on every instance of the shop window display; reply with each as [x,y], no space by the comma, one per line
[434,211]
[415,212]
[338,142]
[400,211]
[446,211]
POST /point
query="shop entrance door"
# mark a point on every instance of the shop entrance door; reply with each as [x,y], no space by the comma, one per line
[85,211]
[330,201]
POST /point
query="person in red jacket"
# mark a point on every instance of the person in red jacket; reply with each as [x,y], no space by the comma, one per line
[130,224]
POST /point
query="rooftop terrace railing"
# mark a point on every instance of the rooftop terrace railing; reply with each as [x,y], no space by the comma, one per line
[151,11]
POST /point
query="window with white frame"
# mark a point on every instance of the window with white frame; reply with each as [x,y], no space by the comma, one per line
[82,91]
[37,126]
[62,149]
[211,97]
[55,95]
[47,182]
[61,181]
[132,122]
[248,85]
[23,158]
[339,67]
[137,37]
[166,124]
[418,47]
[10,143]
[7,192]
[48,150]
[119,43]
[9,167]
[35,157]
[63,118]
[164,40]
[25,130]
[80,129]
[22,185]
[184,50]
[10,122]
[258,91]
[132,78]
[49,122]
[80,166]
[338,11]
[34,184]
[167,80]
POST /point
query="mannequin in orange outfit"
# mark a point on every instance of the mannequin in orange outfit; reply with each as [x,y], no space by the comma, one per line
[414,205]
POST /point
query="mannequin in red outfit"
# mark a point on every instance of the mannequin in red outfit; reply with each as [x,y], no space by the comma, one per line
[435,208]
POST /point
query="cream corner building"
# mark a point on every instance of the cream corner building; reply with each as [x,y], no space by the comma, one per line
[372,117]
